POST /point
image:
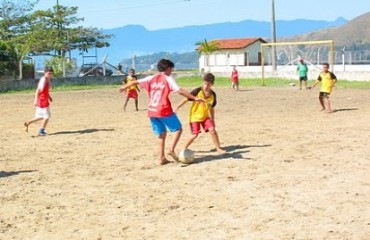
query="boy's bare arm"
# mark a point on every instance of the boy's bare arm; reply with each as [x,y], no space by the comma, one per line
[212,113]
[188,95]
[317,82]
[185,100]
[121,89]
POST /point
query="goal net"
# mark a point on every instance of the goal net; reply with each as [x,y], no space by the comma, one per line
[288,54]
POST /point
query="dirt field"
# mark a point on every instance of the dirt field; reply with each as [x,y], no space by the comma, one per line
[291,171]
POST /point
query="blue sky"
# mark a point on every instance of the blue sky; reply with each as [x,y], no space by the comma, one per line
[160,14]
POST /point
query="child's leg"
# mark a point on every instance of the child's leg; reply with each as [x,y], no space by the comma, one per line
[26,124]
[137,104]
[45,123]
[237,86]
[216,140]
[162,145]
[305,84]
[322,103]
[300,84]
[190,140]
[124,106]
[174,143]
[327,105]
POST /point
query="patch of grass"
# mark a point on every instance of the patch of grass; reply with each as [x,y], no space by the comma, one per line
[353,84]
[196,81]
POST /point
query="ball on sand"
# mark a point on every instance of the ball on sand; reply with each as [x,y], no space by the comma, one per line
[186,156]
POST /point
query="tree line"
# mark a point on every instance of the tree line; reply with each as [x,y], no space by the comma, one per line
[26,32]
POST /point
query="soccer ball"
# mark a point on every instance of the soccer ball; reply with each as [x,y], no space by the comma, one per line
[186,156]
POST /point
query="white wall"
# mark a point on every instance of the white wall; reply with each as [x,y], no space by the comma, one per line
[231,57]
[350,72]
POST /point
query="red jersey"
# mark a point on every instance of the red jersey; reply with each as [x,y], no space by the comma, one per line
[43,96]
[159,88]
[234,76]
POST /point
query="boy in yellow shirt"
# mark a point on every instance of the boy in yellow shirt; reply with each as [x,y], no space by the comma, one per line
[131,92]
[202,114]
[327,79]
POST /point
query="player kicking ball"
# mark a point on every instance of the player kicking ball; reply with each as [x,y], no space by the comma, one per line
[161,115]
[202,114]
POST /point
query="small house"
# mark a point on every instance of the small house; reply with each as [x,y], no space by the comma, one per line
[232,52]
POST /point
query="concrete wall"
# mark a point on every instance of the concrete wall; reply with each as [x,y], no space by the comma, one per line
[347,72]
[8,85]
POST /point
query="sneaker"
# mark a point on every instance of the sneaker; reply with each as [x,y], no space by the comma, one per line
[42,132]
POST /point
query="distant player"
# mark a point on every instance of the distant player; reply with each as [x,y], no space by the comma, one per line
[161,115]
[302,72]
[235,79]
[327,80]
[131,92]
[202,114]
[42,102]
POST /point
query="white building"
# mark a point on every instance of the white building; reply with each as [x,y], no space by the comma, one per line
[232,52]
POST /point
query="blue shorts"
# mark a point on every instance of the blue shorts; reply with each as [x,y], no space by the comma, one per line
[159,125]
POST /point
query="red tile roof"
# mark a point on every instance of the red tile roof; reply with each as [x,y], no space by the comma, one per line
[236,43]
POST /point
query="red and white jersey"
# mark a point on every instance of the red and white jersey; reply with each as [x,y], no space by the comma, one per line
[43,96]
[159,88]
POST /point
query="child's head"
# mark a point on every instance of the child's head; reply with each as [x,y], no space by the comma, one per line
[325,67]
[165,65]
[48,72]
[131,72]
[208,80]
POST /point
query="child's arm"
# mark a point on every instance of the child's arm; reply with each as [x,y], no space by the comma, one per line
[317,82]
[127,85]
[212,113]
[188,95]
[185,100]
[36,95]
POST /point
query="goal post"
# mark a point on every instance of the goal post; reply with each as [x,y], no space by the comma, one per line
[330,43]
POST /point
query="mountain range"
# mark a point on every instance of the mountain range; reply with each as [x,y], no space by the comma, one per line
[136,40]
[354,35]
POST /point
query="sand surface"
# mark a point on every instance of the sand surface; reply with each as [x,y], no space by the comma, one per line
[291,171]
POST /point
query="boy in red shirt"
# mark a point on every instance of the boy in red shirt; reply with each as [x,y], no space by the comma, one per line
[235,79]
[161,115]
[42,102]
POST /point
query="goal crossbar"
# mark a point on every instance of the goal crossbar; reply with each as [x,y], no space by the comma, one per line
[264,45]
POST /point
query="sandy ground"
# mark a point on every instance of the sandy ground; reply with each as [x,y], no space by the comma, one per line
[291,171]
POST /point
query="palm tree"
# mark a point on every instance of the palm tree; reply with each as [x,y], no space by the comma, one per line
[206,49]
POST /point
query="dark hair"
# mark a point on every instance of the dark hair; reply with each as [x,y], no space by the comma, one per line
[131,69]
[165,64]
[48,69]
[209,77]
[326,64]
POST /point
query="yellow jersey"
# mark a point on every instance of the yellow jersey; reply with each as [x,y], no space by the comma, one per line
[130,79]
[327,81]
[199,111]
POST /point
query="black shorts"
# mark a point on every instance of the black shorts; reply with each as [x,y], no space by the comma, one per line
[324,95]
[303,78]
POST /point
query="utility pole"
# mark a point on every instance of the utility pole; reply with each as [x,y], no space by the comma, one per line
[273,36]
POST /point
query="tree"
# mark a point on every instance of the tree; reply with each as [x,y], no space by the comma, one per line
[14,16]
[53,30]
[206,49]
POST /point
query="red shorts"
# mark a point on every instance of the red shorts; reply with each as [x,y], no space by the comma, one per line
[206,125]
[132,94]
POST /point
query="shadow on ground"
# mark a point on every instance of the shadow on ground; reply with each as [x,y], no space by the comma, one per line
[9,174]
[232,151]
[83,131]
[345,109]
